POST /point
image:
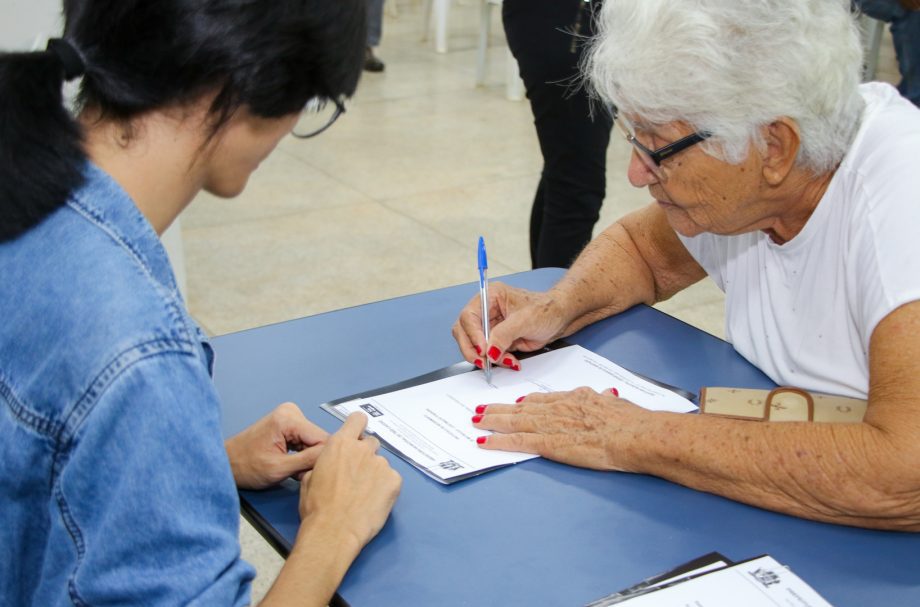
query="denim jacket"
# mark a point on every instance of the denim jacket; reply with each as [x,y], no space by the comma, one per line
[114,483]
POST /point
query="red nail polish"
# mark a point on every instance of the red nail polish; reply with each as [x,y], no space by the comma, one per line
[478,363]
[481,440]
[516,367]
[494,353]
[507,361]
[614,391]
[477,419]
[520,399]
[480,409]
[478,350]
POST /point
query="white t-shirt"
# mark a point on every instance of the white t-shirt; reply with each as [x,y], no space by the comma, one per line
[804,311]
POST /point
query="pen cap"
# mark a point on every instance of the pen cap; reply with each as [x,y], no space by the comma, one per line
[483,262]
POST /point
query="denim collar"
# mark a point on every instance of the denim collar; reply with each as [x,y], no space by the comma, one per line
[103,201]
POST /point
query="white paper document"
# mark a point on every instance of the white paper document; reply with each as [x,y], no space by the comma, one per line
[430,424]
[761,582]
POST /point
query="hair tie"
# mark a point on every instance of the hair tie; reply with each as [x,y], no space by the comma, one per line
[69,56]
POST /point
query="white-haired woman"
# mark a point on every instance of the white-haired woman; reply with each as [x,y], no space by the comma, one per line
[798,191]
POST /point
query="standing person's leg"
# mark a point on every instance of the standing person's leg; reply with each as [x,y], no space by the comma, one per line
[575,175]
[573,144]
[905,33]
[374,33]
[883,10]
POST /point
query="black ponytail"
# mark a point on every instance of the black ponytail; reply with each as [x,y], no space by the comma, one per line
[41,152]
[141,56]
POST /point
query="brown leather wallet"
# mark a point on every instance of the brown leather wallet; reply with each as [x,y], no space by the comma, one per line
[784,404]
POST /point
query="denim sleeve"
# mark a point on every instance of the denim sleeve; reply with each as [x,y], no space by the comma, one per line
[147,497]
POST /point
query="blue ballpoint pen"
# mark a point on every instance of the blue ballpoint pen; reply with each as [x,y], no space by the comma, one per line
[484,298]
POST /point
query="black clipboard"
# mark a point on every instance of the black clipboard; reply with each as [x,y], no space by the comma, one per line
[668,578]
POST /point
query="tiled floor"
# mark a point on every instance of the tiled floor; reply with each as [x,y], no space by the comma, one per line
[391,200]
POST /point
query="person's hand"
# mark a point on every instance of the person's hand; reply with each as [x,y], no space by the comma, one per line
[580,428]
[351,488]
[520,321]
[260,455]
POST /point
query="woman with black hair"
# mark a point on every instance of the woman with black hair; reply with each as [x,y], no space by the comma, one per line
[115,486]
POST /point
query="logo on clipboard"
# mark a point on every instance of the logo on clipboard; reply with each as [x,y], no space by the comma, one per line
[371,410]
[767,577]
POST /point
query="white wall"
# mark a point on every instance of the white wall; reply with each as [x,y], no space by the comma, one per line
[22,21]
[25,24]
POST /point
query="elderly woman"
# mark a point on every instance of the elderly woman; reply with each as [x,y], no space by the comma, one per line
[796,189]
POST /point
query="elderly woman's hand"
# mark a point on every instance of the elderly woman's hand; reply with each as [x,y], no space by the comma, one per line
[520,320]
[581,428]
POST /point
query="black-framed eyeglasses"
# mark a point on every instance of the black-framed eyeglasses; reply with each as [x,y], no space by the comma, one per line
[652,159]
[317,116]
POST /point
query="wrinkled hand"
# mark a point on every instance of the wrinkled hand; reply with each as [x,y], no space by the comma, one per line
[351,488]
[259,455]
[520,320]
[580,428]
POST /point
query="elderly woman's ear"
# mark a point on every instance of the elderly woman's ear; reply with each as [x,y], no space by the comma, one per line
[780,150]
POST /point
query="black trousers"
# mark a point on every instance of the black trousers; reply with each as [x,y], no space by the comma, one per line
[574,145]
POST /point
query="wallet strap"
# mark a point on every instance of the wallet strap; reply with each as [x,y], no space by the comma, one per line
[809,401]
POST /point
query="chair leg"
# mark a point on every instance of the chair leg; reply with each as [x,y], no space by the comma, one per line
[426,19]
[514,86]
[441,9]
[873,30]
[485,29]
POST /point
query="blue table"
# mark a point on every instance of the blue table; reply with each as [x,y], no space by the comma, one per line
[537,533]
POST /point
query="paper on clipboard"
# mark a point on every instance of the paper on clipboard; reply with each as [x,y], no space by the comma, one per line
[429,424]
[759,582]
